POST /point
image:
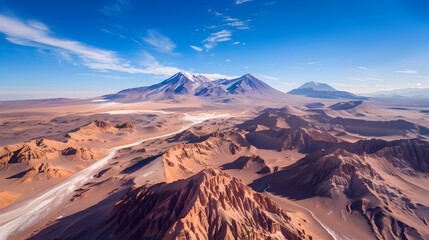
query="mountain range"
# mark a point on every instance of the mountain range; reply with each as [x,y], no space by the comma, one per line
[183,85]
[406,92]
[323,90]
[186,84]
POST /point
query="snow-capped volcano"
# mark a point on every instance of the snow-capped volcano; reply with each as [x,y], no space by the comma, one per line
[323,90]
[188,84]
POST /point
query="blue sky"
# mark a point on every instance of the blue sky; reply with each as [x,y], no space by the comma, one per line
[88,48]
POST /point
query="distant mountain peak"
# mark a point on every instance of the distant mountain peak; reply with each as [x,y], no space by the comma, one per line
[317,86]
[322,90]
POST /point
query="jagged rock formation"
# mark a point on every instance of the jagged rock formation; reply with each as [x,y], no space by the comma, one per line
[184,160]
[80,153]
[25,152]
[188,136]
[208,205]
[411,156]
[337,169]
[336,173]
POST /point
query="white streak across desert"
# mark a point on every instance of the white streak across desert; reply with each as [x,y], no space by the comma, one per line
[331,232]
[25,216]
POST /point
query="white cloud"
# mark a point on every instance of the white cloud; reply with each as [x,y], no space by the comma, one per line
[153,65]
[197,48]
[409,71]
[242,1]
[235,22]
[365,79]
[103,76]
[214,38]
[362,68]
[427,77]
[235,43]
[228,60]
[268,77]
[160,42]
[36,34]
[311,63]
[232,22]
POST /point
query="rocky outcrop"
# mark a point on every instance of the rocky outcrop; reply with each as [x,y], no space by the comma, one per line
[337,173]
[325,174]
[208,205]
[97,127]
[79,153]
[382,224]
[125,125]
[245,162]
[43,171]
[303,139]
[345,105]
[184,160]
[25,152]
[408,155]
[276,120]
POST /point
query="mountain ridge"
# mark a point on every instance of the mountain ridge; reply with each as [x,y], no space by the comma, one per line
[322,90]
[187,84]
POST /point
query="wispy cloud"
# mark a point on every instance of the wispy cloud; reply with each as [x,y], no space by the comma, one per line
[314,62]
[103,76]
[160,42]
[115,7]
[365,79]
[426,77]
[153,65]
[37,34]
[242,1]
[268,77]
[362,68]
[197,48]
[214,38]
[235,22]
[409,71]
[230,21]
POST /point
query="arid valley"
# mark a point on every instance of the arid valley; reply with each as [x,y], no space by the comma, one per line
[241,162]
[214,120]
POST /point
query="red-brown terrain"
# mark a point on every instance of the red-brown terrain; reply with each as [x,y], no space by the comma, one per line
[192,165]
